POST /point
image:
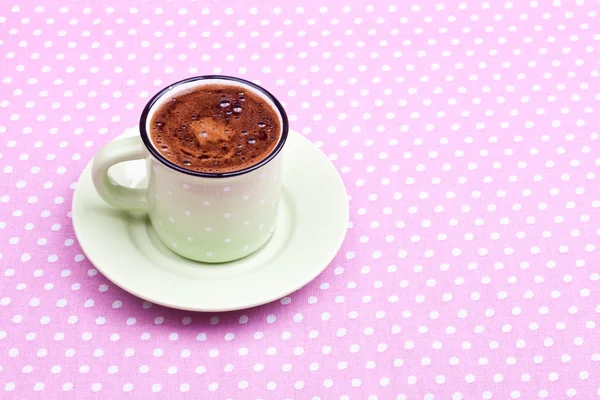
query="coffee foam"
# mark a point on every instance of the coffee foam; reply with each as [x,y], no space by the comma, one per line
[215,127]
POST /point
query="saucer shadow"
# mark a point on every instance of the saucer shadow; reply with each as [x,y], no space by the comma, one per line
[151,316]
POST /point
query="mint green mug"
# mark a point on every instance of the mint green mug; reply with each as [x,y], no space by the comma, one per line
[209,217]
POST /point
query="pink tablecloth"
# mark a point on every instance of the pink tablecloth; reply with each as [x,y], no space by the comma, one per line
[467,136]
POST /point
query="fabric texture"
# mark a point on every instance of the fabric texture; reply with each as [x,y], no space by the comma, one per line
[466,134]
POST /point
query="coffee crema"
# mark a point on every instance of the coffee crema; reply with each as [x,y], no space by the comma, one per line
[215,128]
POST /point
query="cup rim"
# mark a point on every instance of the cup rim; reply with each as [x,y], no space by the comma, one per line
[154,152]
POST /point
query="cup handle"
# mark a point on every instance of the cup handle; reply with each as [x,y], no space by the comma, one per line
[116,195]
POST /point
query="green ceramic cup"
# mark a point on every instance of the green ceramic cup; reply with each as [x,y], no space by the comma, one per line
[207,217]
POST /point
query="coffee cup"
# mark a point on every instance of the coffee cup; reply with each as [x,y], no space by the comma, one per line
[211,213]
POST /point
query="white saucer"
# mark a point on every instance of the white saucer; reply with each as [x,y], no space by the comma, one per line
[311,227]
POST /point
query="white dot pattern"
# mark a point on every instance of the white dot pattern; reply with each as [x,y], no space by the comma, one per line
[466,134]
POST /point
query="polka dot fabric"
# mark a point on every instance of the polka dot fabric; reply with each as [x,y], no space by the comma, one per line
[466,135]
